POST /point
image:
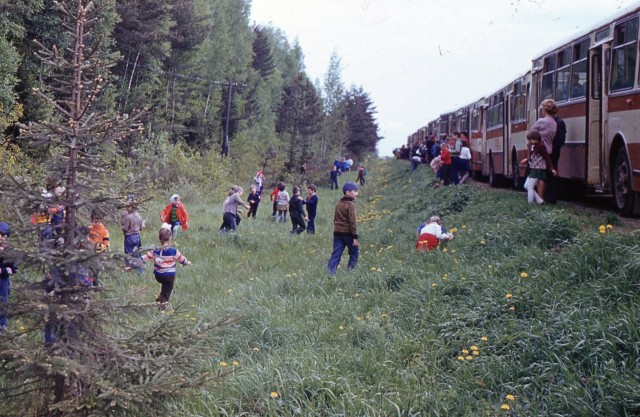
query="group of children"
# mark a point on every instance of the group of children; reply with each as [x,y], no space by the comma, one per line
[451,161]
[174,216]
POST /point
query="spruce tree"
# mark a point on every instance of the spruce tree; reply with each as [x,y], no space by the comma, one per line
[97,357]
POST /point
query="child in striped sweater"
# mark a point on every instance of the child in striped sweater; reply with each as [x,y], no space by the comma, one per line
[165,259]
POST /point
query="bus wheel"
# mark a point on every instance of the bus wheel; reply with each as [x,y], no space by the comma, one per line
[515,169]
[493,180]
[622,191]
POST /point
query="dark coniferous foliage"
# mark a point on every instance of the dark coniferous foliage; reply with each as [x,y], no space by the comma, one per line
[362,126]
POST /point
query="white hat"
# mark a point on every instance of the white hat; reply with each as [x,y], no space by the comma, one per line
[174,198]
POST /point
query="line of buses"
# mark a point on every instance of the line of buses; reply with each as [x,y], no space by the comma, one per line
[595,80]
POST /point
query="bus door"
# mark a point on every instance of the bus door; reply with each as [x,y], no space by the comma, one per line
[596,109]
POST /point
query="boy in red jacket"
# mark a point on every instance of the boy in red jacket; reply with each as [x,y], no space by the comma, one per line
[175,214]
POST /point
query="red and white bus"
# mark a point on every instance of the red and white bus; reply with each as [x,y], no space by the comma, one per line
[594,78]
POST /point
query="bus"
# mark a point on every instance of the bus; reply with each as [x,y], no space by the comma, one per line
[594,79]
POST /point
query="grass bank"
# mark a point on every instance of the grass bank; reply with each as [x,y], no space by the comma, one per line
[528,311]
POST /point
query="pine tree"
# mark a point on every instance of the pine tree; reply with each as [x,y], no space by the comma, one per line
[81,369]
[362,126]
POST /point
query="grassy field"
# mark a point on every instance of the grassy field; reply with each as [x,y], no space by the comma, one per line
[528,311]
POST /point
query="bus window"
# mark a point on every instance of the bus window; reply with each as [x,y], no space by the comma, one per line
[579,69]
[623,61]
[596,71]
[562,75]
[549,67]
[518,103]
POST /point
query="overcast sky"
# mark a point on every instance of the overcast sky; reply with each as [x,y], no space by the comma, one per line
[418,59]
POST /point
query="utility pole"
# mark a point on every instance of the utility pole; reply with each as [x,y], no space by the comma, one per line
[225,140]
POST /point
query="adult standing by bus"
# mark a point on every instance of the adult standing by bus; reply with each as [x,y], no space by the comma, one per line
[558,141]
[546,126]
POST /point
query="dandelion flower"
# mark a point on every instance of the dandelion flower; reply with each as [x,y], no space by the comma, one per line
[609,227]
[482,242]
[256,349]
[474,348]
[484,338]
[602,228]
[229,290]
[524,275]
[235,363]
[476,353]
[356,295]
[505,407]
[460,358]
[512,308]
[465,351]
[469,357]
[379,270]
[223,364]
[341,327]
[444,249]
[434,284]
[373,268]
[276,395]
[510,397]
[509,295]
[383,315]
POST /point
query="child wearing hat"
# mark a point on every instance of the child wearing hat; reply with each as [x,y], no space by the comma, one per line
[345,229]
[175,214]
[430,234]
[7,268]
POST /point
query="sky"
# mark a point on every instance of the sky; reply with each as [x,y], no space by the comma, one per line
[418,59]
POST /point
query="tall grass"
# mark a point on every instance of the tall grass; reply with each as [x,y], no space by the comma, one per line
[549,305]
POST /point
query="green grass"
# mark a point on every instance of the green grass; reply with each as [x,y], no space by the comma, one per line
[384,339]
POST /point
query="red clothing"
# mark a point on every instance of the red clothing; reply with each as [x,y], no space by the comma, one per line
[445,155]
[181,212]
[99,236]
[427,241]
[274,194]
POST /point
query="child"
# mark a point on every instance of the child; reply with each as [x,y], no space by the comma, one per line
[165,259]
[254,200]
[274,198]
[175,214]
[362,173]
[131,224]
[539,161]
[465,157]
[335,173]
[283,202]
[445,156]
[436,166]
[7,268]
[230,217]
[431,234]
[98,233]
[312,207]
[345,229]
[296,209]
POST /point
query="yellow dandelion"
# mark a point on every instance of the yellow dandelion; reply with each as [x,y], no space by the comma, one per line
[469,357]
[460,358]
[445,275]
[509,295]
[383,315]
[358,318]
[444,249]
[602,228]
[341,327]
[21,328]
[276,395]
[512,308]
[510,397]
[474,348]
[256,349]
[524,275]
[484,338]
[373,268]
[482,242]
[356,295]
[235,363]
[223,364]
[434,284]
[465,351]
[505,407]
[476,353]
[229,290]
[464,226]
[379,270]
[609,227]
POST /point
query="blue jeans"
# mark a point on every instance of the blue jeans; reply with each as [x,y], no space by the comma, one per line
[132,243]
[5,284]
[339,243]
